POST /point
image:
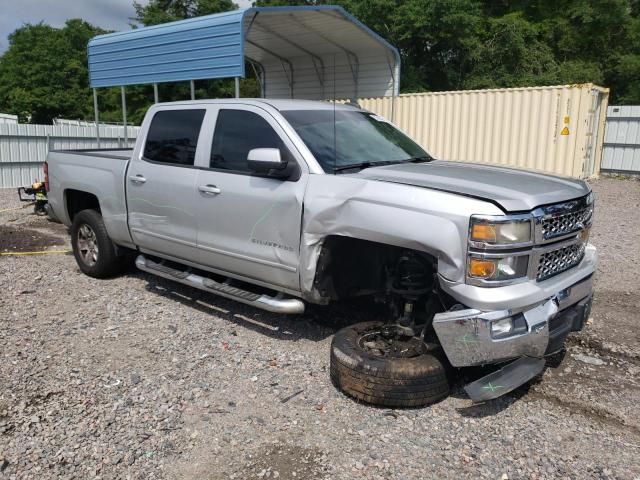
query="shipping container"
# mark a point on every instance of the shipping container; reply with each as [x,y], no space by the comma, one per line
[556,129]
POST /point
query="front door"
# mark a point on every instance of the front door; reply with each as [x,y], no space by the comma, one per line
[161,185]
[250,224]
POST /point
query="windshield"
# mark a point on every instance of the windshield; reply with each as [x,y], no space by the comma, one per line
[355,138]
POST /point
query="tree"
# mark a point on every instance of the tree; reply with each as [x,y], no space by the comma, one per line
[163,11]
[43,73]
[511,54]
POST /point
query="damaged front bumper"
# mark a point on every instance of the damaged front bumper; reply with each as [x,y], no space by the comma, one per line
[469,337]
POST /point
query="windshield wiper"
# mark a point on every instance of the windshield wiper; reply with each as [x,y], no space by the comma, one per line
[363,165]
[425,158]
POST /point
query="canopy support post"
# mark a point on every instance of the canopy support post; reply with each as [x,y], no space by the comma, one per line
[237,82]
[253,19]
[283,61]
[396,88]
[394,68]
[393,108]
[155,93]
[97,116]
[289,77]
[259,75]
[124,115]
[192,84]
[354,65]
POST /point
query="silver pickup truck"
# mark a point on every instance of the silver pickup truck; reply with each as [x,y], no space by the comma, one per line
[279,203]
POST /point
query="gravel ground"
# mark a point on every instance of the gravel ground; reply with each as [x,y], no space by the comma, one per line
[137,377]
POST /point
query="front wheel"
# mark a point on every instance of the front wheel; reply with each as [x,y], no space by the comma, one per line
[370,364]
[93,249]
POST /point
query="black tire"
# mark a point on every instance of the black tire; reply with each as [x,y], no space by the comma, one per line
[105,262]
[390,382]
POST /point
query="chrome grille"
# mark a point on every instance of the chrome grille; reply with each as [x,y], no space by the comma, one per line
[565,223]
[557,261]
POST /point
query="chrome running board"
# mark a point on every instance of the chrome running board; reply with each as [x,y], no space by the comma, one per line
[275,304]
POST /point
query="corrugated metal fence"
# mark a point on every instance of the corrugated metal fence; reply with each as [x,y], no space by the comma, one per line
[24,147]
[553,129]
[622,140]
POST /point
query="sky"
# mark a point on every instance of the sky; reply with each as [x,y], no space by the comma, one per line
[108,14]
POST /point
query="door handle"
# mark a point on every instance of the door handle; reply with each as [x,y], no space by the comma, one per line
[209,189]
[137,179]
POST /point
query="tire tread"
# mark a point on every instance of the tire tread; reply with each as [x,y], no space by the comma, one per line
[390,382]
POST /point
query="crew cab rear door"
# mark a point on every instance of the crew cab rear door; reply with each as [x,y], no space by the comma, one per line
[161,182]
[249,224]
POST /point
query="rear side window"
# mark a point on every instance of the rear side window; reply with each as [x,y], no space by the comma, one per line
[237,132]
[173,136]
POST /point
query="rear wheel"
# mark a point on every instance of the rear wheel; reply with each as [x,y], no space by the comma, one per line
[373,363]
[93,249]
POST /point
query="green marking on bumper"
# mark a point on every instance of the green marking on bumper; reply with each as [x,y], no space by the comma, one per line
[492,387]
[468,339]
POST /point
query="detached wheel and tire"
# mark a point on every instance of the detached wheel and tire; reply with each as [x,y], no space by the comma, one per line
[372,367]
[95,253]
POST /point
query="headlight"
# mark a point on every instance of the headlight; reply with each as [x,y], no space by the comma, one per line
[496,232]
[494,269]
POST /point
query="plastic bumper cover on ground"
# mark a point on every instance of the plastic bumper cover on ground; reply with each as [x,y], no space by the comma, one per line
[467,338]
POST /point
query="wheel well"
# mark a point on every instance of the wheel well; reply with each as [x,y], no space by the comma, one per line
[77,200]
[350,267]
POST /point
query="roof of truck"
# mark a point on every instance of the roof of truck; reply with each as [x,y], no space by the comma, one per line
[278,104]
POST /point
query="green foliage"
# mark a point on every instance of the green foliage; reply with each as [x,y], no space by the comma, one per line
[43,74]
[511,54]
[162,11]
[445,45]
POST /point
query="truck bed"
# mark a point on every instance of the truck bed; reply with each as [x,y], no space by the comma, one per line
[97,172]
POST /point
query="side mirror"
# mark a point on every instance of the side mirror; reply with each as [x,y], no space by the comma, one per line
[262,160]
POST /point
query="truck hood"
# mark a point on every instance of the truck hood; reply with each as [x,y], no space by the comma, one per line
[512,189]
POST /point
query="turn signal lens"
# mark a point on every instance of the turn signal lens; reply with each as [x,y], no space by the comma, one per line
[483,232]
[480,268]
[500,269]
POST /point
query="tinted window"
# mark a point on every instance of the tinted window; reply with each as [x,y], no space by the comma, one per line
[344,137]
[173,136]
[237,132]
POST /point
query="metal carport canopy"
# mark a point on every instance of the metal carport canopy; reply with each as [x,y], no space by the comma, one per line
[310,52]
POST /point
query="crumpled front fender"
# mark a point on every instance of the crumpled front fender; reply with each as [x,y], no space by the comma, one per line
[400,215]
